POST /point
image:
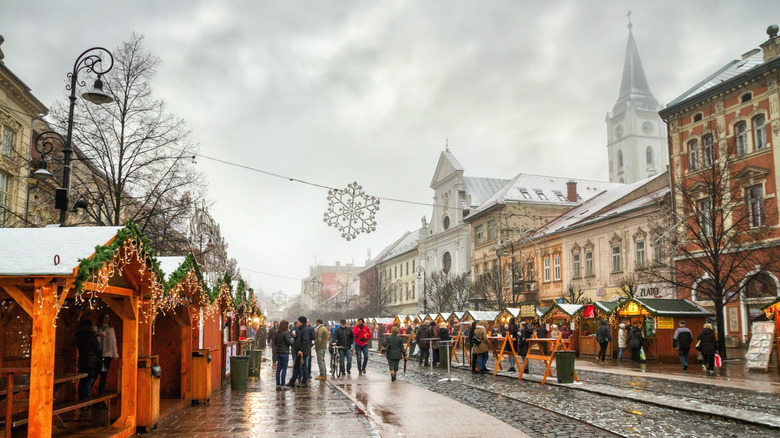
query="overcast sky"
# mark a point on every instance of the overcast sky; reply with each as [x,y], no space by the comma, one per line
[333,92]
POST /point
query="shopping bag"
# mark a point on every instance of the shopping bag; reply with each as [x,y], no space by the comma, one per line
[718,362]
[417,350]
[642,354]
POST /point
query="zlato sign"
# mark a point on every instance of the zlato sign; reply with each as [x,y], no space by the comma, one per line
[655,291]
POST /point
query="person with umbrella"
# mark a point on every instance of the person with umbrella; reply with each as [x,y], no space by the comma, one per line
[395,350]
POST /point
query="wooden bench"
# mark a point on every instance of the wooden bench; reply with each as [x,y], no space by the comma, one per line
[60,408]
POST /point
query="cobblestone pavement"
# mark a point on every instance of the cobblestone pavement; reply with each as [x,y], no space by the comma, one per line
[315,411]
[505,398]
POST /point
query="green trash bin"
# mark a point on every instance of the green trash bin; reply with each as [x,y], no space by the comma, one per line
[564,363]
[239,371]
[255,357]
[443,357]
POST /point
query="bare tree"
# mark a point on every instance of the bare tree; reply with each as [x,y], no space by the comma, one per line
[489,287]
[376,293]
[719,230]
[628,284]
[140,155]
[575,295]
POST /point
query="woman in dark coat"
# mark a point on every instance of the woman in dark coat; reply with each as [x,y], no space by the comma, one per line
[282,343]
[469,336]
[90,357]
[635,343]
[522,344]
[395,350]
[708,345]
[513,333]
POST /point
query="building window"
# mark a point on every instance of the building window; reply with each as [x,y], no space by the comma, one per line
[755,200]
[546,269]
[697,117]
[649,156]
[640,253]
[541,195]
[560,196]
[395,271]
[693,155]
[413,291]
[407,268]
[707,150]
[658,249]
[616,267]
[705,217]
[446,223]
[741,130]
[446,263]
[620,160]
[575,265]
[531,272]
[491,230]
[525,193]
[759,133]
[480,234]
[589,263]
[9,141]
[5,184]
[557,267]
[747,97]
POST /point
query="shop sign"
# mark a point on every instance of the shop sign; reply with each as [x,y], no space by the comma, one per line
[665,322]
[588,312]
[527,311]
[654,291]
[600,292]
[631,309]
[558,314]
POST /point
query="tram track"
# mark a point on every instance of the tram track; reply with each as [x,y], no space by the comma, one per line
[551,406]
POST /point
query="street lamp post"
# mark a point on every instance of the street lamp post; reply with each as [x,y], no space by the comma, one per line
[92,61]
[421,275]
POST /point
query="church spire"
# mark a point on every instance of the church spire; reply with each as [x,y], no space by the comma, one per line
[634,88]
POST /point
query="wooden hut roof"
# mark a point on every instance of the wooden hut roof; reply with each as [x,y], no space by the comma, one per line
[569,309]
[49,251]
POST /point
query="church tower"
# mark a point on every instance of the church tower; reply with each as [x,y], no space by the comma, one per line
[636,136]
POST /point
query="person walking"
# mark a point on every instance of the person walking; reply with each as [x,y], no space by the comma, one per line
[362,334]
[513,333]
[435,334]
[481,346]
[424,333]
[107,338]
[281,345]
[296,368]
[469,338]
[682,340]
[90,355]
[541,333]
[708,345]
[622,341]
[603,337]
[303,342]
[522,343]
[321,336]
[271,336]
[395,350]
[343,340]
[635,343]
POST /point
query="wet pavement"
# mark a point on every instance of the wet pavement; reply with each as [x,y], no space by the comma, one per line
[610,400]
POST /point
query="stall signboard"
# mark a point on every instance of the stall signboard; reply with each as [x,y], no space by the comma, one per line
[527,311]
[654,291]
[760,348]
[589,312]
[559,314]
[632,309]
[665,322]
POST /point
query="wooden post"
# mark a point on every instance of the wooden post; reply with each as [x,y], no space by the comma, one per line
[42,362]
[129,369]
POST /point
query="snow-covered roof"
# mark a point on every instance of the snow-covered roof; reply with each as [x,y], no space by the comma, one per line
[479,315]
[407,243]
[480,189]
[34,251]
[169,265]
[597,208]
[724,74]
[538,189]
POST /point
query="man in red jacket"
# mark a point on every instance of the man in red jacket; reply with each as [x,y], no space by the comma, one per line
[362,335]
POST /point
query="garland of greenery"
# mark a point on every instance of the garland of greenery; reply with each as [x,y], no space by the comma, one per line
[106,253]
[180,274]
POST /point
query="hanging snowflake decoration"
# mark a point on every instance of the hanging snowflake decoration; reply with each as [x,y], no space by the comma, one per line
[351,211]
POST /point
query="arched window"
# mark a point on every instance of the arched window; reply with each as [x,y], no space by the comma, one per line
[649,156]
[759,133]
[740,129]
[446,263]
[693,155]
[760,285]
[747,97]
[620,160]
[707,150]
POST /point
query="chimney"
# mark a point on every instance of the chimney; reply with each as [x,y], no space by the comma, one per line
[571,191]
[771,47]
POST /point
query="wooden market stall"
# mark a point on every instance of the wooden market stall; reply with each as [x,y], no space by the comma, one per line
[95,270]
[562,314]
[173,330]
[658,319]
[481,315]
[589,317]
